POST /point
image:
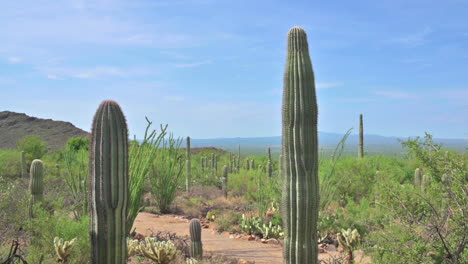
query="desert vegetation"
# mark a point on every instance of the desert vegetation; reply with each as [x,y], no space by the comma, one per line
[79,204]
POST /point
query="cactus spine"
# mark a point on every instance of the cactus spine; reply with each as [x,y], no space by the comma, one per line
[196,249]
[188,177]
[36,184]
[300,195]
[361,137]
[109,189]
[224,180]
[24,173]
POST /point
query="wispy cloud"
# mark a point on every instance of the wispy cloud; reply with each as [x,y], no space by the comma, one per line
[415,39]
[327,85]
[14,59]
[192,65]
[397,95]
[98,72]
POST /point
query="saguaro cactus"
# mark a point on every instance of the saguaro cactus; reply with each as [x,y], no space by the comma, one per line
[224,180]
[252,164]
[109,189]
[238,159]
[417,177]
[269,169]
[300,195]
[24,173]
[361,137]
[36,184]
[188,176]
[196,248]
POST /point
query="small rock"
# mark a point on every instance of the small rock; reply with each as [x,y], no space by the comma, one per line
[231,236]
[264,241]
[238,236]
[272,241]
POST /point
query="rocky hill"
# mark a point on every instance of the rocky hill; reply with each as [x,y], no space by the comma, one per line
[13,126]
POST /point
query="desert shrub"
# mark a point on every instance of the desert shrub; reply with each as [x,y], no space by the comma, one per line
[75,175]
[78,143]
[429,224]
[45,227]
[228,221]
[10,163]
[33,146]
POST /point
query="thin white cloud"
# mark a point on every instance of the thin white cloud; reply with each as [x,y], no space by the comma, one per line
[192,65]
[415,39]
[98,72]
[327,85]
[15,59]
[397,95]
[173,98]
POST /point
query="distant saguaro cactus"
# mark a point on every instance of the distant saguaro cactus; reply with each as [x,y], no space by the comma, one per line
[202,163]
[252,164]
[188,176]
[417,177]
[196,248]
[24,173]
[36,184]
[238,159]
[213,157]
[225,180]
[300,151]
[109,189]
[247,164]
[269,169]
[361,137]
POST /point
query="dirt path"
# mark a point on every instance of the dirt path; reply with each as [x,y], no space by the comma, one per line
[217,244]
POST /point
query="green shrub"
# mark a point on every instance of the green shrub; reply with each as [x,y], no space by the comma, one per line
[34,147]
[78,143]
[10,163]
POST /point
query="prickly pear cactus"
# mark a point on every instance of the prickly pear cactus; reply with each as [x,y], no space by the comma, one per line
[36,184]
[108,185]
[300,154]
[196,248]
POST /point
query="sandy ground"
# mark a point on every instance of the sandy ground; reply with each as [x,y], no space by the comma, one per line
[218,244]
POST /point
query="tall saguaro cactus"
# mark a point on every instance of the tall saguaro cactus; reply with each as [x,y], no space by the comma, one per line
[188,176]
[361,137]
[36,184]
[196,248]
[109,186]
[300,195]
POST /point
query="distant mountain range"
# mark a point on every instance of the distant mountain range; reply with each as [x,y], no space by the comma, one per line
[13,126]
[373,144]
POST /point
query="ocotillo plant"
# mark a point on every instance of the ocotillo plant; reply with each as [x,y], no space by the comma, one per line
[300,194]
[225,180]
[196,248]
[36,184]
[24,173]
[361,137]
[109,190]
[188,176]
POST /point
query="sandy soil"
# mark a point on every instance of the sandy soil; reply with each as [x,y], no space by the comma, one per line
[215,243]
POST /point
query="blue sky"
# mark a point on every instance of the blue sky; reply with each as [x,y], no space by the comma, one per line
[213,68]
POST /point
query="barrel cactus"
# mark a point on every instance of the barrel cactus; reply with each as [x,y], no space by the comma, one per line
[109,189]
[36,184]
[300,196]
[196,248]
